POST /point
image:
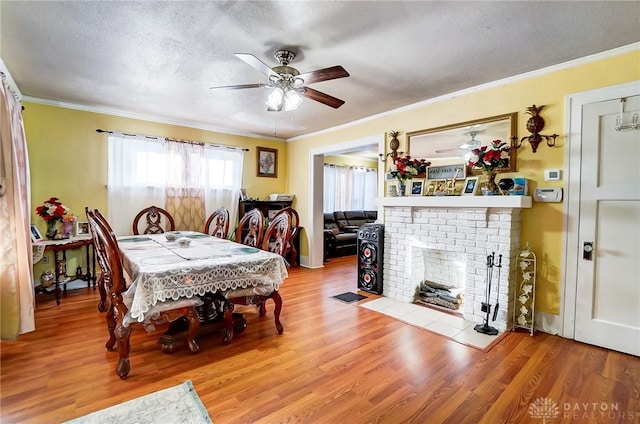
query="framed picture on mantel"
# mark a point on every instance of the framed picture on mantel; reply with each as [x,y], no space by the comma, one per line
[267,162]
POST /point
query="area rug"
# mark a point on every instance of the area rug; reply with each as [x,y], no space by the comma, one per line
[349,297]
[175,405]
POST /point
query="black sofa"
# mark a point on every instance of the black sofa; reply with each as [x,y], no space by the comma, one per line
[341,231]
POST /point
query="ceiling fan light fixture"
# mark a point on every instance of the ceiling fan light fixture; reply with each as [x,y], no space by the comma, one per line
[274,101]
[292,100]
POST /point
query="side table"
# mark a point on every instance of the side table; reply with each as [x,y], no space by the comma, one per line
[59,249]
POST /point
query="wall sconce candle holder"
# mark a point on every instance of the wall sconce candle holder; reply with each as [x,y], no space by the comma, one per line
[394,144]
[535,124]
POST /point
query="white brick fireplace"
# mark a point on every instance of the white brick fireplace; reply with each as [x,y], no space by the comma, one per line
[447,240]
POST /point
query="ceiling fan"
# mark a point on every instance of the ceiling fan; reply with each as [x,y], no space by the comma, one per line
[468,145]
[288,83]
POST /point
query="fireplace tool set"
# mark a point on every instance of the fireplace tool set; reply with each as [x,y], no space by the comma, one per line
[485,328]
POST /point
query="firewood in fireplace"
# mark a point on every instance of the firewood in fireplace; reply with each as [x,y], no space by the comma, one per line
[439,302]
[430,292]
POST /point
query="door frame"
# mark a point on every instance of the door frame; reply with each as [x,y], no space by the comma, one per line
[316,179]
[572,167]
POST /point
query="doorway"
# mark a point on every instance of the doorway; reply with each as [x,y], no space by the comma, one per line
[601,297]
[316,166]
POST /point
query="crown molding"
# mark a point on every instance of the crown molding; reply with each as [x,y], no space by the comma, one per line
[149,118]
[508,80]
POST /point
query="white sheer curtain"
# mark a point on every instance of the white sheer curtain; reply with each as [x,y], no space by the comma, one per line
[136,178]
[145,171]
[349,188]
[223,179]
[16,274]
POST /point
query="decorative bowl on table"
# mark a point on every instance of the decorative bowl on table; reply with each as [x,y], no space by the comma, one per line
[172,235]
[184,241]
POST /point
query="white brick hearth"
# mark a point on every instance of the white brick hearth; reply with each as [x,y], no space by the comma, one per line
[456,233]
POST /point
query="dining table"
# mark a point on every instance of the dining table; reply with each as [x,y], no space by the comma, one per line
[185,264]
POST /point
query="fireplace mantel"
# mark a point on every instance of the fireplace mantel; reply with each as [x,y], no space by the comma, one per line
[513,202]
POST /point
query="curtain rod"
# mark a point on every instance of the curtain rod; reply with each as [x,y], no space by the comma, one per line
[177,140]
[350,166]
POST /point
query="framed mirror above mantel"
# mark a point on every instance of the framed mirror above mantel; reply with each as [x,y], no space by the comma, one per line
[452,144]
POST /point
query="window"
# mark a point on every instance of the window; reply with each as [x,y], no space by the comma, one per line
[144,171]
[349,188]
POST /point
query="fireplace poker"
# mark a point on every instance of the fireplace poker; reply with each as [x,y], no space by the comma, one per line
[499,266]
[486,306]
[485,328]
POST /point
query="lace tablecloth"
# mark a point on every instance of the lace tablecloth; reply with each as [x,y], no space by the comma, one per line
[163,270]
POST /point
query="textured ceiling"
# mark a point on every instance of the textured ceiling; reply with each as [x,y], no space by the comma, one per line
[158,59]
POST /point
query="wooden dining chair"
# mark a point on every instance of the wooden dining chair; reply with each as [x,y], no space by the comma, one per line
[277,236]
[102,304]
[156,221]
[217,224]
[292,252]
[275,241]
[108,255]
[250,227]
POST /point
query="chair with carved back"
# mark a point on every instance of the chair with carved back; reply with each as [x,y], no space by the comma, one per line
[277,235]
[250,228]
[108,256]
[102,305]
[217,224]
[292,252]
[156,221]
[274,241]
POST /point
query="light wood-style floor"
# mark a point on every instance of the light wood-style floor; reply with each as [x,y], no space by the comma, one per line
[335,363]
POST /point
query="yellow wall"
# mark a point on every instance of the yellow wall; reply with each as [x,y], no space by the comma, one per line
[542,224]
[68,160]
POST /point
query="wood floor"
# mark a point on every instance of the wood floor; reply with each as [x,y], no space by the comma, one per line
[335,363]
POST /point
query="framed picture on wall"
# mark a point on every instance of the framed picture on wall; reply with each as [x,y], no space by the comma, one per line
[470,186]
[267,162]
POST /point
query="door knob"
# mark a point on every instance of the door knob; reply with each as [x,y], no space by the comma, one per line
[587,249]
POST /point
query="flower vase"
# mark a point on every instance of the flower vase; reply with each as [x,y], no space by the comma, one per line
[67,229]
[490,188]
[51,229]
[402,188]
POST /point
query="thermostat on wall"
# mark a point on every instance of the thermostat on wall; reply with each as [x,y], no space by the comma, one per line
[552,174]
[547,194]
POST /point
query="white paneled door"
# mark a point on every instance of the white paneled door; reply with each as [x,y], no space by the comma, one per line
[608,274]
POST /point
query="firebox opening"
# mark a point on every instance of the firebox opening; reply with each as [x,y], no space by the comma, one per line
[440,277]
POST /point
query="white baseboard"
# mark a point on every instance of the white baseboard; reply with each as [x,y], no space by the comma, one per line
[548,323]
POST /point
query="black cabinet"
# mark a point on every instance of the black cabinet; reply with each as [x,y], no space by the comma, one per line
[267,207]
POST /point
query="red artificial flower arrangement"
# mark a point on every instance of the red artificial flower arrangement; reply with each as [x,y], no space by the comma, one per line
[491,159]
[52,210]
[405,168]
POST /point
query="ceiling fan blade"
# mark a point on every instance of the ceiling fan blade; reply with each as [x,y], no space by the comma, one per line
[322,97]
[256,63]
[455,149]
[324,74]
[238,87]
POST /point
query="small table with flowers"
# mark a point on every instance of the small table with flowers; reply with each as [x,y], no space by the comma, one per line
[59,249]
